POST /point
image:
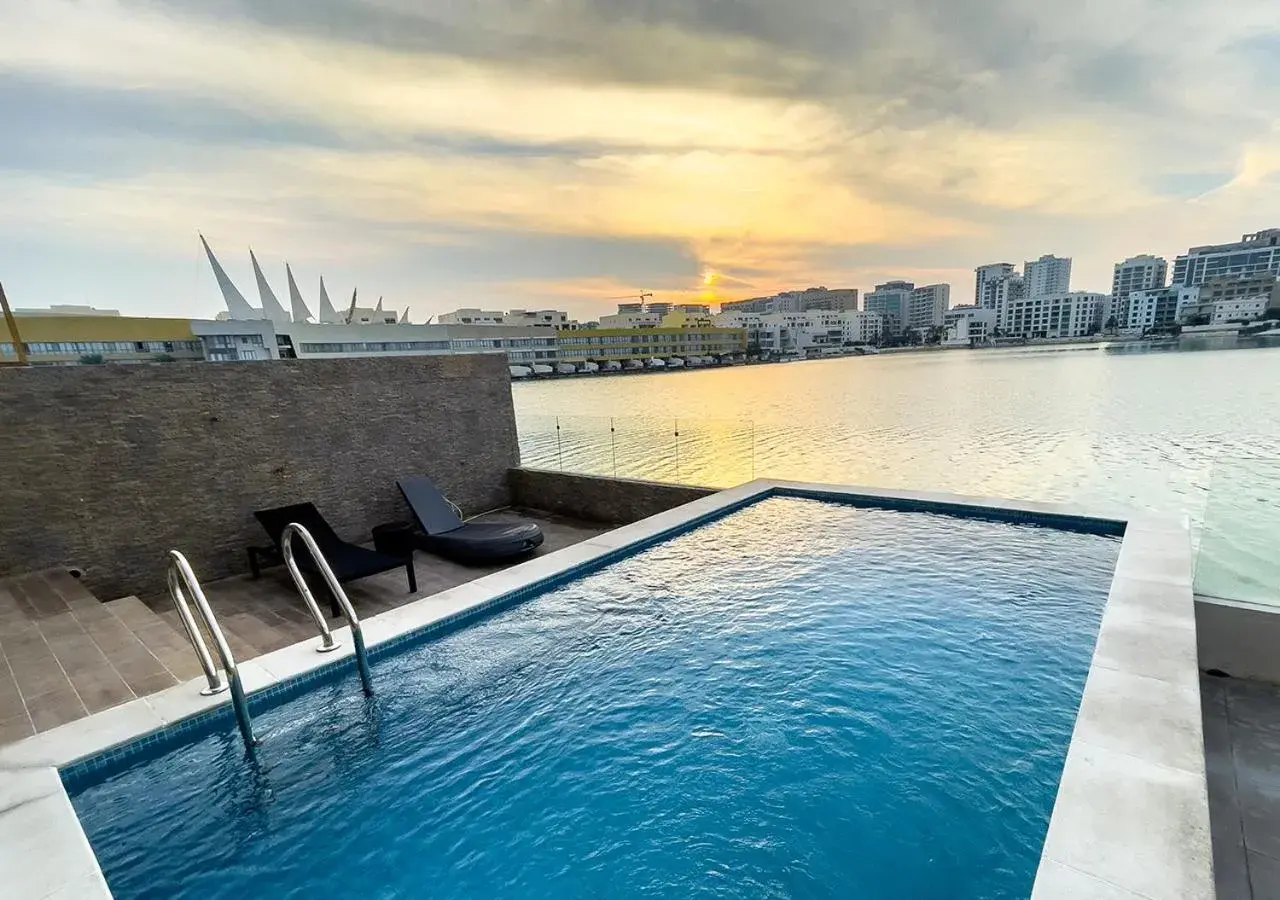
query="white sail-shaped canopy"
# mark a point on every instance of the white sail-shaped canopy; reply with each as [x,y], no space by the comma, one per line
[238,307]
[404,316]
[328,315]
[296,303]
[271,308]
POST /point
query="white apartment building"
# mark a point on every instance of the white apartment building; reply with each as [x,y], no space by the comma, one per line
[1066,315]
[632,319]
[969,326]
[987,282]
[928,306]
[1137,273]
[1048,275]
[1242,309]
[748,321]
[814,298]
[66,309]
[1253,254]
[1147,311]
[811,333]
[471,317]
[543,318]
[892,302]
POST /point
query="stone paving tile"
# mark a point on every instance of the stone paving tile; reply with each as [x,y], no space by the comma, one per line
[55,707]
[101,689]
[1242,765]
[15,728]
[43,599]
[1264,876]
[64,654]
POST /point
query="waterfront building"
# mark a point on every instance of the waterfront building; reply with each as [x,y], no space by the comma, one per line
[928,306]
[987,281]
[814,298]
[969,326]
[1000,293]
[1066,315]
[1152,310]
[1240,309]
[1137,273]
[471,316]
[1048,275]
[1253,254]
[228,340]
[816,332]
[65,309]
[622,344]
[652,315]
[631,318]
[542,318]
[231,341]
[892,302]
[1266,286]
[664,308]
[66,340]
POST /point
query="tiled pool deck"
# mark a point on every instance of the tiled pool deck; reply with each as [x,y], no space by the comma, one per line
[64,654]
[1131,820]
[1242,750]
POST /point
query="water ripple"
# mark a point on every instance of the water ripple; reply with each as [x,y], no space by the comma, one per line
[879,711]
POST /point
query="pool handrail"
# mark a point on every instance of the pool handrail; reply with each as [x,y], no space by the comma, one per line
[327,640]
[180,576]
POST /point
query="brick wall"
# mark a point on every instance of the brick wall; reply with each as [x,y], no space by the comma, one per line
[106,468]
[614,501]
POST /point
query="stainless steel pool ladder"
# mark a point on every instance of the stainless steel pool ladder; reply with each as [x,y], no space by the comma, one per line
[182,581]
[327,641]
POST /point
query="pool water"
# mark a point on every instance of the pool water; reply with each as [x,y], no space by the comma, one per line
[801,699]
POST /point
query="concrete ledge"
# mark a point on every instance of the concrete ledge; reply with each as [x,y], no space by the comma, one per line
[1238,638]
[45,852]
[1132,811]
[1131,816]
[614,501]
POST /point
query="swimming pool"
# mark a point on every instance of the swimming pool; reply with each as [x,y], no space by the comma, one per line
[802,698]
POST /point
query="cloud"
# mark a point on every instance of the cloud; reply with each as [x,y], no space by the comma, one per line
[508,143]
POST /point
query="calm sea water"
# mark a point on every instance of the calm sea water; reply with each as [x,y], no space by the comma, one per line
[882,711]
[1144,428]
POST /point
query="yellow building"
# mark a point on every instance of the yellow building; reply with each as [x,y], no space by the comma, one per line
[65,340]
[644,343]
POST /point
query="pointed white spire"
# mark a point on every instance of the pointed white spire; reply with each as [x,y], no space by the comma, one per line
[271,308]
[351,310]
[237,306]
[296,303]
[404,316]
[328,315]
[378,308]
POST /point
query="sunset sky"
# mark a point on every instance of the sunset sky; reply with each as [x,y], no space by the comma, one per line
[558,153]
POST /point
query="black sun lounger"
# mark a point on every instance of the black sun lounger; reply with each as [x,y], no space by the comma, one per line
[445,534]
[348,561]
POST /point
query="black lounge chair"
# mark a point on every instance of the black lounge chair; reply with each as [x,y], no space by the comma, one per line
[348,561]
[445,534]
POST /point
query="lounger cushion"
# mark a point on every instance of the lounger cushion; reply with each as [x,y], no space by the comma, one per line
[484,541]
[432,510]
[444,533]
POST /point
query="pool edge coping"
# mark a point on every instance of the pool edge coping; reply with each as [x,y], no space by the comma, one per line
[1154,559]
